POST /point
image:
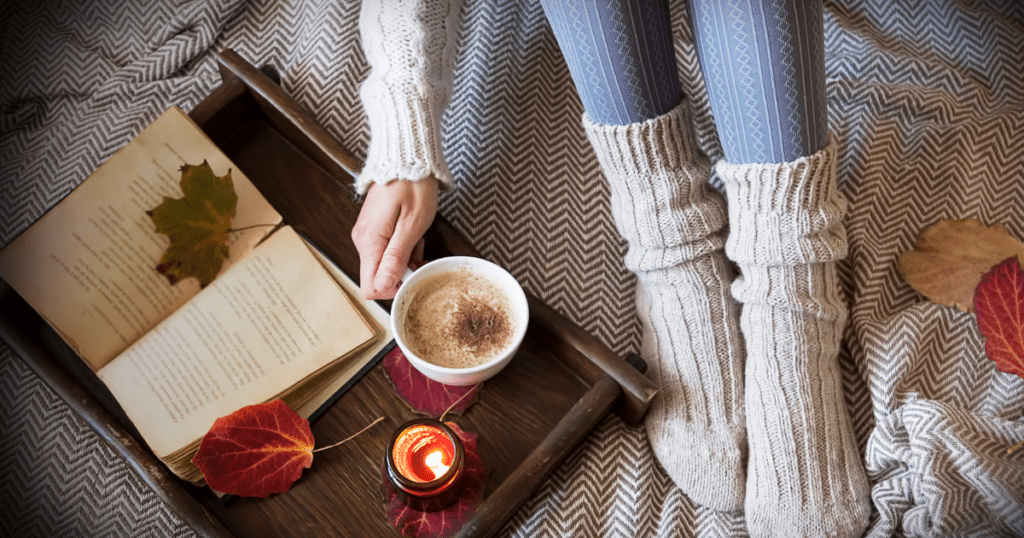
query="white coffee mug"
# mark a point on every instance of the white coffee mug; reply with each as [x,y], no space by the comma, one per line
[474,374]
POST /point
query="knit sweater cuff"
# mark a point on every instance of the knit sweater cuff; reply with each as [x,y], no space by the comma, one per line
[409,45]
[405,137]
[647,148]
[785,214]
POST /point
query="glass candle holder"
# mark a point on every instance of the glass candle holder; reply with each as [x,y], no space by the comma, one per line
[424,464]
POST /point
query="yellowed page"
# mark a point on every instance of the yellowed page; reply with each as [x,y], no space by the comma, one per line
[88,266]
[325,388]
[270,321]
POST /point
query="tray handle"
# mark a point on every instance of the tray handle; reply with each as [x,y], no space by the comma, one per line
[588,412]
[289,117]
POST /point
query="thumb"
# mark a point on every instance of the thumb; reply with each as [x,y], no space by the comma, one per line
[395,259]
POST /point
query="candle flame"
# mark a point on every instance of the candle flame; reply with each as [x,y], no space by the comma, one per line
[435,462]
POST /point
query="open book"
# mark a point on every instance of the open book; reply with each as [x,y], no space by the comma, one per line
[278,321]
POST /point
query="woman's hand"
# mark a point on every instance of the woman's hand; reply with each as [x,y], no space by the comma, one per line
[389,233]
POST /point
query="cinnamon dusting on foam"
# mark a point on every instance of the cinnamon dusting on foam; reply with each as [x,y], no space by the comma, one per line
[458,319]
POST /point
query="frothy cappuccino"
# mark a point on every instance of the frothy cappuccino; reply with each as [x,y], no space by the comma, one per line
[458,319]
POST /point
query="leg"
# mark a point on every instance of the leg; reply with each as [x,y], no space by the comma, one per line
[621,59]
[764,67]
[620,56]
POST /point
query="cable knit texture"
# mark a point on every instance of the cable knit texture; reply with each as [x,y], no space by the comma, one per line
[806,474]
[410,48]
[673,221]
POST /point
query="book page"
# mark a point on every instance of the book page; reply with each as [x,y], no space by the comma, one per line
[88,266]
[272,320]
[317,391]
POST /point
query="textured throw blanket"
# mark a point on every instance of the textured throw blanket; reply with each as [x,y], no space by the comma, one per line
[926,100]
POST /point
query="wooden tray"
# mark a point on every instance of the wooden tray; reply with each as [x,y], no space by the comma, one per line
[559,386]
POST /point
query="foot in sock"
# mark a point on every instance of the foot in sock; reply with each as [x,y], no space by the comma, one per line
[805,477]
[673,221]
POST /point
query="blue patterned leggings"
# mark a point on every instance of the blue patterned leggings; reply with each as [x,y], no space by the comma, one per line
[763,62]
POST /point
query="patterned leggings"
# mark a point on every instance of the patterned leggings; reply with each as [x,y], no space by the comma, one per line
[763,63]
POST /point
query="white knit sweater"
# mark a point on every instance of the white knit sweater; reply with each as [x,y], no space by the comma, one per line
[409,45]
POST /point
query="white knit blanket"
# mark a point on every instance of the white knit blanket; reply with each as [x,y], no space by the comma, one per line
[926,100]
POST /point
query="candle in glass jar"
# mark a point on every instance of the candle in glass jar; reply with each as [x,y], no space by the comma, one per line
[424,464]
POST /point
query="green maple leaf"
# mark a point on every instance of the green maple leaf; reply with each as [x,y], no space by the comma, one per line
[197,224]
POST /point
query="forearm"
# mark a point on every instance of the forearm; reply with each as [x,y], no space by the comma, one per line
[410,48]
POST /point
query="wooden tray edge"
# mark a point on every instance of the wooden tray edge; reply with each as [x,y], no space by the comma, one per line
[613,382]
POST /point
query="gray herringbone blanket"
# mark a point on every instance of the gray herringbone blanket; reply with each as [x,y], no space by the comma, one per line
[926,100]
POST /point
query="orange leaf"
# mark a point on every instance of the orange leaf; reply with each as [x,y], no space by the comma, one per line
[999,304]
[256,451]
[950,257]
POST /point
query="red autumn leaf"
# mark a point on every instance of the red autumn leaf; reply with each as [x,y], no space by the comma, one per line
[256,451]
[999,304]
[443,523]
[424,395]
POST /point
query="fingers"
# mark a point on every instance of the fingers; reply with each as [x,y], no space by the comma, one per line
[371,248]
[416,260]
[395,259]
[371,234]
[389,232]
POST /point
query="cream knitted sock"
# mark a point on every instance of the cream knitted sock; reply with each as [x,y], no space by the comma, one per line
[672,219]
[806,477]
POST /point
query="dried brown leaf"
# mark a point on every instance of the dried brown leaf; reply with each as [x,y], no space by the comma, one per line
[951,256]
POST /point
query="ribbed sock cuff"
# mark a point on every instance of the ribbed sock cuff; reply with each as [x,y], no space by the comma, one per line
[650,147]
[785,214]
[660,196]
